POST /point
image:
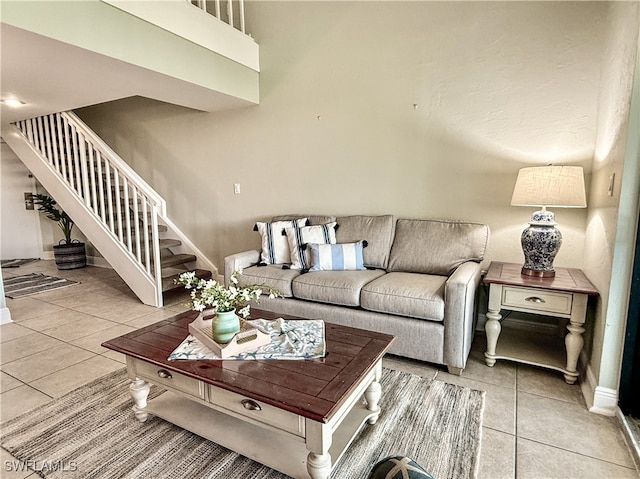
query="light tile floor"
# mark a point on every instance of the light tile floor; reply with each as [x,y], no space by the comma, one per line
[535,425]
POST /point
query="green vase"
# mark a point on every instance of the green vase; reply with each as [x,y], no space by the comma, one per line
[224,326]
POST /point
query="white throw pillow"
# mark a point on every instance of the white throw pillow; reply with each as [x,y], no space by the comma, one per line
[298,237]
[275,247]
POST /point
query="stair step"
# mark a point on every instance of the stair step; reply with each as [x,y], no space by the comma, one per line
[177,259]
[169,243]
[168,283]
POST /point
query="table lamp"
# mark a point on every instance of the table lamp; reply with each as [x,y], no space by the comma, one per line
[546,186]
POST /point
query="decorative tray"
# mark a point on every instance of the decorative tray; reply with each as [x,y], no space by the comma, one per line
[248,338]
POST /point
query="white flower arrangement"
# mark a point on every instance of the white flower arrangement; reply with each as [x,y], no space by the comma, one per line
[209,293]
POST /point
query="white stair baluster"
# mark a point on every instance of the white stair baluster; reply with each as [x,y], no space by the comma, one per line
[101,181]
[127,211]
[145,226]
[54,142]
[40,137]
[47,139]
[76,160]
[92,180]
[107,170]
[118,203]
[84,190]
[136,222]
[67,144]
[60,136]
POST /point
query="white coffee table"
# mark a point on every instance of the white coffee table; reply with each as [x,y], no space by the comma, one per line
[297,417]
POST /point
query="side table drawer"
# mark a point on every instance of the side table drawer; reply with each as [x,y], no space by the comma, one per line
[537,300]
[257,411]
[169,379]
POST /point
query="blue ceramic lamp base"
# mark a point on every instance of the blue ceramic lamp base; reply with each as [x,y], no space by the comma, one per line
[540,244]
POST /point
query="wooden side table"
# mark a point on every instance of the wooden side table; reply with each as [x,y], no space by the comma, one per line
[563,296]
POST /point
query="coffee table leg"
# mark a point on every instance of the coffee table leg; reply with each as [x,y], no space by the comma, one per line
[373,394]
[139,391]
[319,439]
[319,465]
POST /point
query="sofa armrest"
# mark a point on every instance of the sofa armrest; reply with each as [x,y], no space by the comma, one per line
[459,308]
[238,261]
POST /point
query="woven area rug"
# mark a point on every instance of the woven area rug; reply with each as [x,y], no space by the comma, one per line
[91,433]
[26,284]
[16,263]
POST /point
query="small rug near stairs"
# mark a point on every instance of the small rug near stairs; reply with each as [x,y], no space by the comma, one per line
[26,284]
[16,263]
[92,433]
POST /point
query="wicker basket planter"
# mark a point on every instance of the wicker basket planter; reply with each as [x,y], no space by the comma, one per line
[70,256]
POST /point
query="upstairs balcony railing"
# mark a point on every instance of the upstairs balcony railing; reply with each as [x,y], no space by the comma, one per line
[229,11]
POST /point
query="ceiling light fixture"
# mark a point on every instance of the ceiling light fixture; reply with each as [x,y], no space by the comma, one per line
[13,102]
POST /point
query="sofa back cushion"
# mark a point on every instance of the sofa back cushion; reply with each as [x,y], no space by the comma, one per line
[377,231]
[436,247]
[312,219]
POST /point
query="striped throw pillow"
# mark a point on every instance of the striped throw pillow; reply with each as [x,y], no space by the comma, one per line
[336,257]
[275,247]
[298,237]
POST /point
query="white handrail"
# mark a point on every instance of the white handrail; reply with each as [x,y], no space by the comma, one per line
[122,203]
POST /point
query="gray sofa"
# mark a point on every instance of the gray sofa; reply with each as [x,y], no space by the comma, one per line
[419,284]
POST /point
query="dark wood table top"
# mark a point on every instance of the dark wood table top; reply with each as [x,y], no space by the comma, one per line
[570,280]
[313,388]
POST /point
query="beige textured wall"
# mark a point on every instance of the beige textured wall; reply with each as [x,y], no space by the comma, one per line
[609,222]
[497,86]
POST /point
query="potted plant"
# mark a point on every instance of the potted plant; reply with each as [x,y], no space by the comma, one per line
[68,253]
[224,302]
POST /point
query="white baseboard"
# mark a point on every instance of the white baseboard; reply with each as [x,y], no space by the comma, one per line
[5,316]
[599,400]
[605,401]
[98,261]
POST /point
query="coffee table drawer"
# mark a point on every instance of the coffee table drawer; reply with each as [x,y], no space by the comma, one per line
[257,411]
[537,300]
[169,379]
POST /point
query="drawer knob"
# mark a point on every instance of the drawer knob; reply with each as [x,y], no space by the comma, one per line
[251,405]
[164,374]
[534,299]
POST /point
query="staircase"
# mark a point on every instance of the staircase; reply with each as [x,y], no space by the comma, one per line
[122,216]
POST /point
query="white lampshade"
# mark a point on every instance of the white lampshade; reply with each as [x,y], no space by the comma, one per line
[558,186]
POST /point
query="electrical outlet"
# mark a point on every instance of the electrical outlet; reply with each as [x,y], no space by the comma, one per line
[236,188]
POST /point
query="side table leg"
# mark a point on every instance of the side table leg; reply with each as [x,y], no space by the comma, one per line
[139,390]
[492,329]
[573,342]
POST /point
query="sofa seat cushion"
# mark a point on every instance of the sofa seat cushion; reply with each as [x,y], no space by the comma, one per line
[406,294]
[270,275]
[335,287]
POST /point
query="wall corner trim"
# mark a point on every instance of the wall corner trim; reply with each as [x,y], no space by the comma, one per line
[5,316]
[605,401]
